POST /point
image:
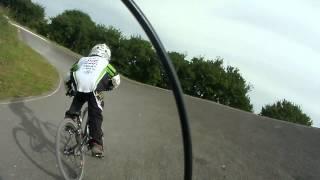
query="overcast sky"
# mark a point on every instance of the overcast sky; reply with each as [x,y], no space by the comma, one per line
[275,44]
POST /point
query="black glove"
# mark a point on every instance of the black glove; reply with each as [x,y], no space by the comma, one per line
[70,89]
[110,85]
[70,93]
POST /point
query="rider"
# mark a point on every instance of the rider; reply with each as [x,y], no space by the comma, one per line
[87,80]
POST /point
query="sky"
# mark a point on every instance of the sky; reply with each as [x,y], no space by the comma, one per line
[275,44]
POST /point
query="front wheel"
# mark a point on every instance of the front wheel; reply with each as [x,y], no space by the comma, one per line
[69,151]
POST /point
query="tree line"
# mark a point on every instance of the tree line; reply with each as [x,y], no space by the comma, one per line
[135,57]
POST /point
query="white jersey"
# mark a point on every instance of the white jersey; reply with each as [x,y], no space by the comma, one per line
[90,70]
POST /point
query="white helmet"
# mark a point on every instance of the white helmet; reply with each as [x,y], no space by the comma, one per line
[101,50]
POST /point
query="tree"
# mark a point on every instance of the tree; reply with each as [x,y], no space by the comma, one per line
[72,29]
[26,12]
[182,67]
[113,38]
[108,35]
[138,60]
[210,80]
[236,90]
[42,27]
[286,111]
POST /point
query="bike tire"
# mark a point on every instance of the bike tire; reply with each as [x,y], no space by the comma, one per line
[67,162]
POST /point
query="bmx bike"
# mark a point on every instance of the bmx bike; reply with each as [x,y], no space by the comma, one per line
[72,144]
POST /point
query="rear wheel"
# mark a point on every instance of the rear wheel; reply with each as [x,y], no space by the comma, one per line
[68,151]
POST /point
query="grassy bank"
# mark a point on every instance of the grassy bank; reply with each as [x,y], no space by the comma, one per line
[23,72]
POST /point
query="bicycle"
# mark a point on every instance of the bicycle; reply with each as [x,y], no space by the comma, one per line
[71,148]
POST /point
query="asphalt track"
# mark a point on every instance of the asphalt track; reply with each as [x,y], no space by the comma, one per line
[143,140]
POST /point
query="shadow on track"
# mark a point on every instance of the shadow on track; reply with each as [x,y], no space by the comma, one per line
[40,150]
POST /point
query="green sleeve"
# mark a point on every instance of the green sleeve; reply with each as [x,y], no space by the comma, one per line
[111,70]
[74,67]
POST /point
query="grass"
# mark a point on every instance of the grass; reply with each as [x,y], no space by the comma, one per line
[23,72]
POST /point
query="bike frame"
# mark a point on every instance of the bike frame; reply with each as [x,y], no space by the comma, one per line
[84,133]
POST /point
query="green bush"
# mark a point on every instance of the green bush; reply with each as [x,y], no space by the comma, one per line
[72,29]
[286,111]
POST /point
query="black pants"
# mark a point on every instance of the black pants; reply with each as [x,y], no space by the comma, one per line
[95,107]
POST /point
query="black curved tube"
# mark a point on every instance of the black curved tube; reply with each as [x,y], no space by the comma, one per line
[175,83]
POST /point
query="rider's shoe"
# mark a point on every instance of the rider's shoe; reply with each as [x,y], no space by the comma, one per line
[97,150]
